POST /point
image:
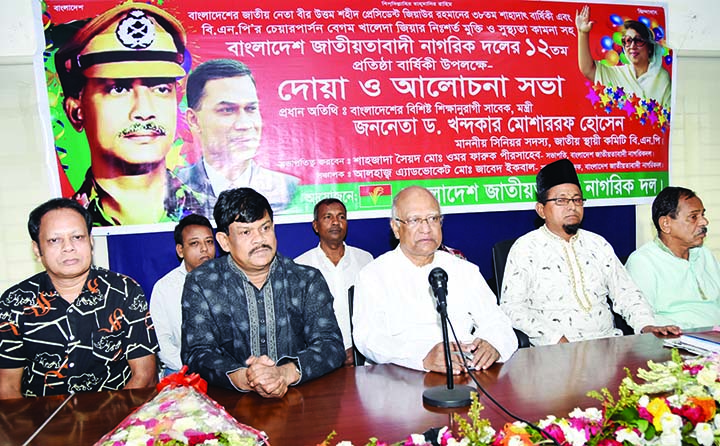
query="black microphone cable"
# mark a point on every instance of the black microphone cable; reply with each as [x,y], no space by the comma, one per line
[537,428]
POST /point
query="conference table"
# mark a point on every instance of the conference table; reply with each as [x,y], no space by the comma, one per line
[382,401]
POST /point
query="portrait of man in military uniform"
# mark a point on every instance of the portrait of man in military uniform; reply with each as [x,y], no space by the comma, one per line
[119,75]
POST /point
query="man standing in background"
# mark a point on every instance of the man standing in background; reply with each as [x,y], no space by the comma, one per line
[338,262]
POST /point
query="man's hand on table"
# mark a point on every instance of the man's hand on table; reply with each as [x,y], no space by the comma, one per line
[484,354]
[435,359]
[480,354]
[265,378]
[662,330]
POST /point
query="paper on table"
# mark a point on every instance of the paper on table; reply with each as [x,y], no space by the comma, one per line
[702,343]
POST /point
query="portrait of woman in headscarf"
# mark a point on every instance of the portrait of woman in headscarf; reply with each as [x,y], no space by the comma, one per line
[644,76]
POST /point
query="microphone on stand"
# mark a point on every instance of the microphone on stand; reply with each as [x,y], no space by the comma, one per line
[441,396]
[438,281]
[451,396]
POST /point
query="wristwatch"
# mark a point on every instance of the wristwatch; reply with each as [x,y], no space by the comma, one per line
[297,369]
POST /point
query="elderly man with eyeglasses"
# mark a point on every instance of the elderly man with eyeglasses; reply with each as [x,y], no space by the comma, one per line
[558,278]
[394,318]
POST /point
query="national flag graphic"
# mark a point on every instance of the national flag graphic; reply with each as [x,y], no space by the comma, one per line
[375,196]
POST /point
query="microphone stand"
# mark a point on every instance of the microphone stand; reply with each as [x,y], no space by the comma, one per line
[450,396]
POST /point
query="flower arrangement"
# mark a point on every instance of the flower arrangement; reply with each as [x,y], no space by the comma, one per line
[181,415]
[675,405]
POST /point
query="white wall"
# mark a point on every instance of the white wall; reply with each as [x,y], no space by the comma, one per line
[695,128]
[695,145]
[25,178]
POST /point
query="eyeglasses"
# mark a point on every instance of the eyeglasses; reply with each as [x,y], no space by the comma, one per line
[562,202]
[638,41]
[413,222]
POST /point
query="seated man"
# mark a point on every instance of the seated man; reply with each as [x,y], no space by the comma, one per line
[395,319]
[338,262]
[194,244]
[558,278]
[255,320]
[678,275]
[73,327]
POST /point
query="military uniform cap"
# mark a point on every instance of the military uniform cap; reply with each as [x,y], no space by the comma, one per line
[130,40]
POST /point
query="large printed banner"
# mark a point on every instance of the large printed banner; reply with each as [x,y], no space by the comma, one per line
[354,100]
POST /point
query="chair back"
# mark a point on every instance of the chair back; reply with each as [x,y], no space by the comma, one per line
[619,321]
[358,357]
[499,256]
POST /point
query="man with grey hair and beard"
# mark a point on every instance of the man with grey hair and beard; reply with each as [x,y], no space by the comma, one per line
[558,278]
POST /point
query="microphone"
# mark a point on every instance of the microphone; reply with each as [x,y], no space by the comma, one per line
[438,282]
[450,395]
[458,396]
[490,397]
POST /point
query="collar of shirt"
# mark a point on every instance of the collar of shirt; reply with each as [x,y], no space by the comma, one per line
[550,234]
[183,269]
[47,286]
[218,181]
[408,264]
[692,252]
[326,260]
[234,266]
[178,198]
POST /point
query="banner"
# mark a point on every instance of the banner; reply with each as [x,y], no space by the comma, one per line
[354,101]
